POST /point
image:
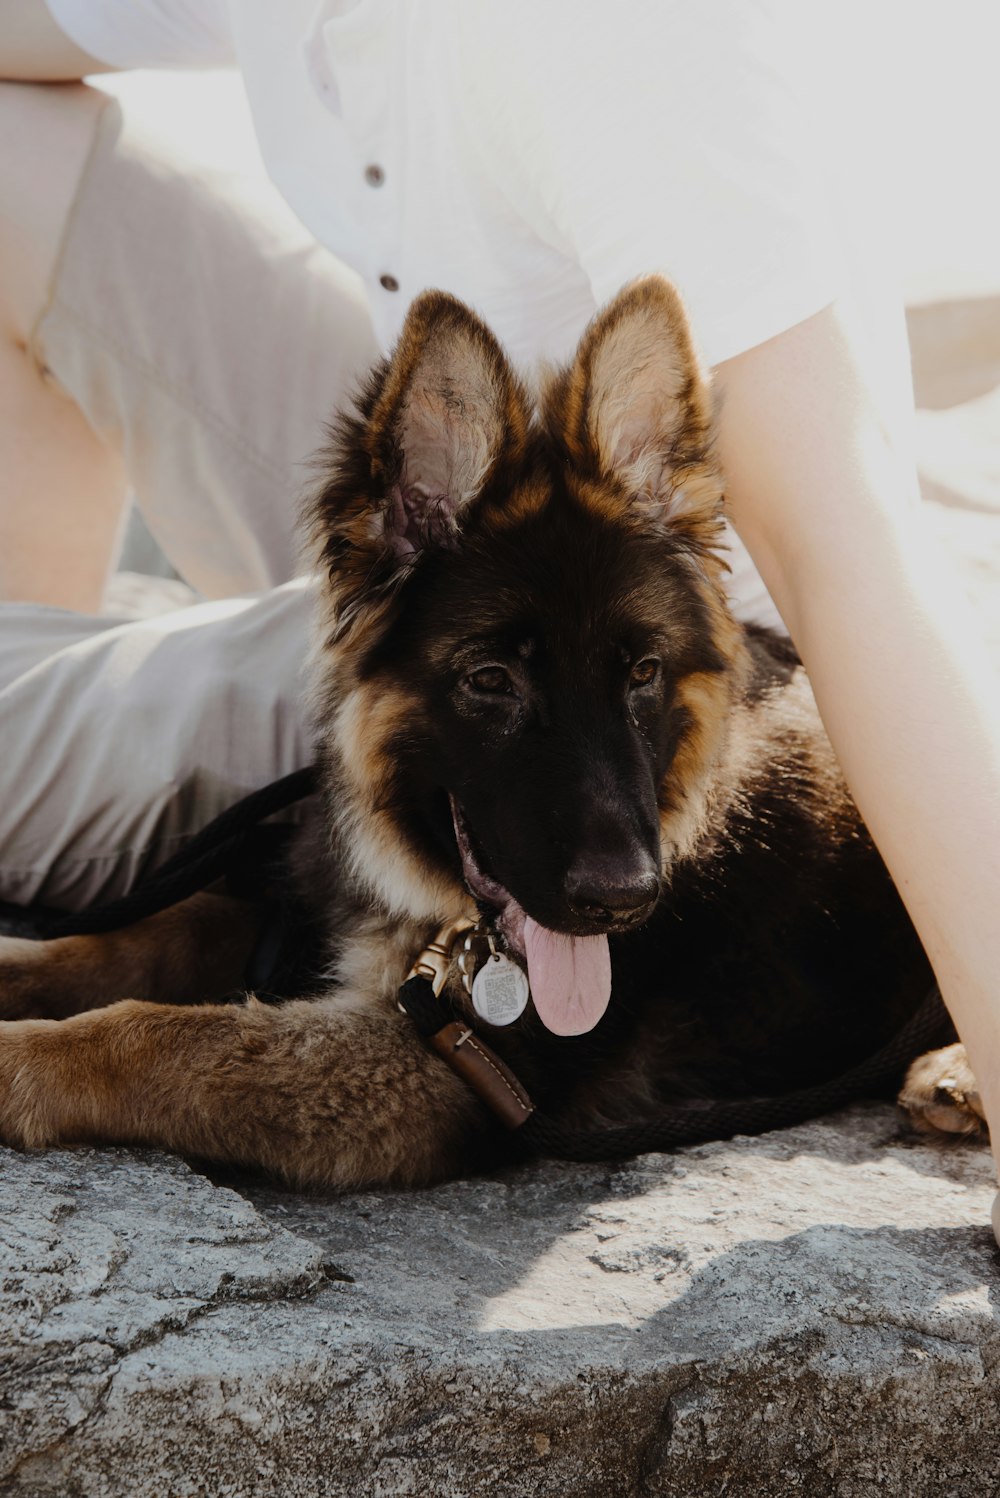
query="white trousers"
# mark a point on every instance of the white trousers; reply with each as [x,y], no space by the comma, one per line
[204,333]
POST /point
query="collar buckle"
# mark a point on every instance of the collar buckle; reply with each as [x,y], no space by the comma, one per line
[434,961]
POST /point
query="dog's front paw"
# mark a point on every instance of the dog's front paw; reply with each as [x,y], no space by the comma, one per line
[940,1095]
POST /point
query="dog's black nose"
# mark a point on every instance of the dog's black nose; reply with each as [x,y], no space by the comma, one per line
[610,892]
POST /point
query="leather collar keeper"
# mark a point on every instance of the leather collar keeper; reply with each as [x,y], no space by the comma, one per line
[455,1040]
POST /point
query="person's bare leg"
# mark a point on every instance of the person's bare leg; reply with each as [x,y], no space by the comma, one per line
[62,489]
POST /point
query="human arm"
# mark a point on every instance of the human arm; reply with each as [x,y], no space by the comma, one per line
[33,48]
[817,489]
[52,41]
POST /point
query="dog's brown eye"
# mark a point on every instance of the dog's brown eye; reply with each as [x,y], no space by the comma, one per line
[644,673]
[491,679]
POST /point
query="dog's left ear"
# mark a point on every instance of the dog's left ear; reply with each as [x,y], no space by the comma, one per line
[637,405]
[450,410]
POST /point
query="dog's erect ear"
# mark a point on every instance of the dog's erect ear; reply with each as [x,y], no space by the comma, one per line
[427,435]
[449,410]
[636,404]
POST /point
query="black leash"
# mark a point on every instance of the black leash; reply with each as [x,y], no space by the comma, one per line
[698,1121]
[694,1122]
[214,852]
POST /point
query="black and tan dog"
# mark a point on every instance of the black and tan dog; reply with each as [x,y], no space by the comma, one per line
[532,703]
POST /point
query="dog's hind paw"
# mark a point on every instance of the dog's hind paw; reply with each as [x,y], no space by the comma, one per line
[940,1095]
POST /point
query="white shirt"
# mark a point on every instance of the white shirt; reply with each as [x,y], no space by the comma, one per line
[536,154]
[529,156]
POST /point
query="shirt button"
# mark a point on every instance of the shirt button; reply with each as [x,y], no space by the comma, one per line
[374,175]
[389,283]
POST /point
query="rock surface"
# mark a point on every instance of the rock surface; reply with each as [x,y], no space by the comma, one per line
[813,1311]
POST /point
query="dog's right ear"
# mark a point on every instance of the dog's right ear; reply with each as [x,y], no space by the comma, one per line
[449,411]
[437,421]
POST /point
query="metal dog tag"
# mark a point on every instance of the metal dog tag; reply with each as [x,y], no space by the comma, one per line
[500,991]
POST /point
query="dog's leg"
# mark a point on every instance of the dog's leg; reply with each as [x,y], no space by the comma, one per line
[199,947]
[940,1094]
[329,1092]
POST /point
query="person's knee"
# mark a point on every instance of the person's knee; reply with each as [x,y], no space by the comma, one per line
[45,137]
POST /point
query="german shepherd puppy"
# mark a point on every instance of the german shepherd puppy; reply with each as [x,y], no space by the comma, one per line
[532,706]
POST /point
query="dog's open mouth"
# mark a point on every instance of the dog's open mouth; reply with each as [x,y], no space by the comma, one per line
[570,976]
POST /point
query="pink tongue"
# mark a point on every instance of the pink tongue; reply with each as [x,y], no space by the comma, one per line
[570,978]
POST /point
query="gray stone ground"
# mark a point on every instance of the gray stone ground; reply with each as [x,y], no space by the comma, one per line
[813,1312]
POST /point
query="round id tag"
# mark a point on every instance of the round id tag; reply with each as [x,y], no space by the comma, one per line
[500,990]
